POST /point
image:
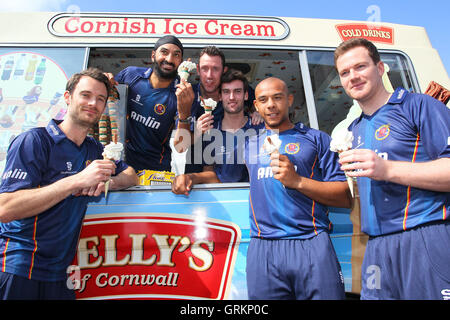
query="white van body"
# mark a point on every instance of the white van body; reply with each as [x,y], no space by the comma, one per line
[40,51]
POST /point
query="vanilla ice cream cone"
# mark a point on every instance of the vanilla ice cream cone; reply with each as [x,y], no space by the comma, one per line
[209,105]
[272,143]
[185,69]
[350,184]
[107,182]
[112,152]
[342,141]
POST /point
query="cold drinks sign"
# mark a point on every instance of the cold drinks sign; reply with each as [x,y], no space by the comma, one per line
[374,33]
[152,25]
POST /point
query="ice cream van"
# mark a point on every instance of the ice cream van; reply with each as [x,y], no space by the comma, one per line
[146,242]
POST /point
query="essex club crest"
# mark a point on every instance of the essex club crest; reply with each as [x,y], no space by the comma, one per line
[160,109]
[382,132]
[292,148]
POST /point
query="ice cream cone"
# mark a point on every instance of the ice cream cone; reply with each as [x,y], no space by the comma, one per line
[272,143]
[349,181]
[112,152]
[209,105]
[107,182]
[185,69]
[340,142]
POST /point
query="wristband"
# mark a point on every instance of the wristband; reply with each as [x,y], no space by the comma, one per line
[187,120]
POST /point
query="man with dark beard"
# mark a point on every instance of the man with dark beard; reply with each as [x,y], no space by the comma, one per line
[155,98]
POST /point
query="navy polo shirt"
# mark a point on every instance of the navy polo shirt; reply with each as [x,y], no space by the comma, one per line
[409,127]
[224,150]
[43,246]
[278,212]
[151,117]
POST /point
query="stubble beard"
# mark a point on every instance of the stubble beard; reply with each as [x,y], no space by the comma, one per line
[236,111]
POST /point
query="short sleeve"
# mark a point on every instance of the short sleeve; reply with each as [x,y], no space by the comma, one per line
[432,119]
[120,77]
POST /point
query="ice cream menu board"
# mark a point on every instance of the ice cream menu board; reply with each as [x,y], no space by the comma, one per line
[32,84]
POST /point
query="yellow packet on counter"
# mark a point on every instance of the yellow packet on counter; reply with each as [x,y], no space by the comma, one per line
[154,177]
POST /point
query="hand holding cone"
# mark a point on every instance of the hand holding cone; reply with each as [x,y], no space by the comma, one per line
[272,143]
[112,151]
[209,105]
[340,142]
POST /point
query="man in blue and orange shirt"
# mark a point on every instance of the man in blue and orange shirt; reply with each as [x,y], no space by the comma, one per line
[223,145]
[290,255]
[50,176]
[156,98]
[403,175]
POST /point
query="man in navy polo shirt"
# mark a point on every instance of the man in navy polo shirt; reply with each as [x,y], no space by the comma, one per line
[210,68]
[155,99]
[223,161]
[403,175]
[49,178]
[290,255]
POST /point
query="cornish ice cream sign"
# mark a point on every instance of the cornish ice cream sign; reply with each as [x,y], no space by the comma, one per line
[154,256]
[154,25]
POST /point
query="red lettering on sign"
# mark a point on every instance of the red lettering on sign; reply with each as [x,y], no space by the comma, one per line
[208,27]
[191,28]
[68,22]
[132,25]
[121,256]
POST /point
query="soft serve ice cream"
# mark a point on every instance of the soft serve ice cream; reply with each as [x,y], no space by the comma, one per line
[113,151]
[272,143]
[209,105]
[341,141]
[185,69]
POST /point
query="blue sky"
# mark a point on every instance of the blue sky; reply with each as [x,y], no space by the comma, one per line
[431,14]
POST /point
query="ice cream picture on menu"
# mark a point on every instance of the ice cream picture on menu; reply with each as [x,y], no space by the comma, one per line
[185,69]
[342,141]
[113,152]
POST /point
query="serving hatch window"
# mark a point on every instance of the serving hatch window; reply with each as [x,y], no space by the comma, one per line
[257,64]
